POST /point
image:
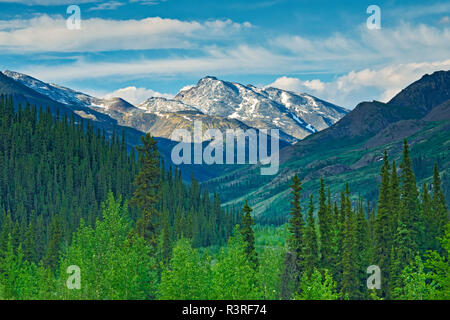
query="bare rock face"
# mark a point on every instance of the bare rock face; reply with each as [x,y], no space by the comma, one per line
[159,104]
[297,115]
[71,97]
[220,104]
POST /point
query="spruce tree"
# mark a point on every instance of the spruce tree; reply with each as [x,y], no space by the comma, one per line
[166,243]
[394,198]
[147,193]
[325,228]
[296,222]
[409,236]
[383,228]
[362,250]
[409,210]
[349,267]
[431,242]
[55,241]
[310,244]
[439,210]
[248,235]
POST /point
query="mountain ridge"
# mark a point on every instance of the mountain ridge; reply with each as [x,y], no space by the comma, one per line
[351,150]
[293,113]
[225,105]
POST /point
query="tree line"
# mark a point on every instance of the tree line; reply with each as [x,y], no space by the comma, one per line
[405,236]
[329,249]
[73,197]
[56,174]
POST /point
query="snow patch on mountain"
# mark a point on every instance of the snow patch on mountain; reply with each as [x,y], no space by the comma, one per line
[296,115]
[70,97]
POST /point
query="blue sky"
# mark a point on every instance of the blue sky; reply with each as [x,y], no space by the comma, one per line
[139,48]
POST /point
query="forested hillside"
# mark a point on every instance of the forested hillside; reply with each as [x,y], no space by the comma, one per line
[352,151]
[55,174]
[73,201]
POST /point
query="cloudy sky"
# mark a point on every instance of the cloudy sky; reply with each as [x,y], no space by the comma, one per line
[141,48]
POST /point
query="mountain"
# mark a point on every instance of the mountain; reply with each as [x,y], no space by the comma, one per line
[159,104]
[423,95]
[71,97]
[22,92]
[20,88]
[116,115]
[233,105]
[352,150]
[296,115]
[219,104]
[349,149]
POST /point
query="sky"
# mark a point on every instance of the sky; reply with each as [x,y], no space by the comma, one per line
[141,48]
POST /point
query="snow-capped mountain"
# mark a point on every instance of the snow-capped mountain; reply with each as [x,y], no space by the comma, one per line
[71,97]
[159,104]
[156,115]
[219,104]
[298,115]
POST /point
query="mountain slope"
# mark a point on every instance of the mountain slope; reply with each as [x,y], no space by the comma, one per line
[71,97]
[297,115]
[220,104]
[102,117]
[351,150]
[22,94]
[159,104]
[426,93]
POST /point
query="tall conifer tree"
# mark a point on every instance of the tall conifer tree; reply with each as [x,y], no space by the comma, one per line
[439,209]
[325,228]
[296,222]
[248,234]
[147,193]
[310,248]
[349,254]
[383,221]
[409,211]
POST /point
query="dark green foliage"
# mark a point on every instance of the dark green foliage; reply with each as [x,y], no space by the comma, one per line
[59,182]
[147,193]
[55,172]
[439,211]
[296,223]
[310,244]
[383,224]
[394,236]
[410,213]
[326,225]
[363,250]
[349,285]
[394,198]
[248,234]
[54,245]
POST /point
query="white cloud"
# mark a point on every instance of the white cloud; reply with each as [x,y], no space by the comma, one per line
[295,84]
[50,34]
[70,2]
[49,2]
[414,11]
[148,2]
[240,60]
[445,19]
[186,88]
[404,43]
[109,5]
[367,84]
[383,61]
[136,95]
[347,90]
